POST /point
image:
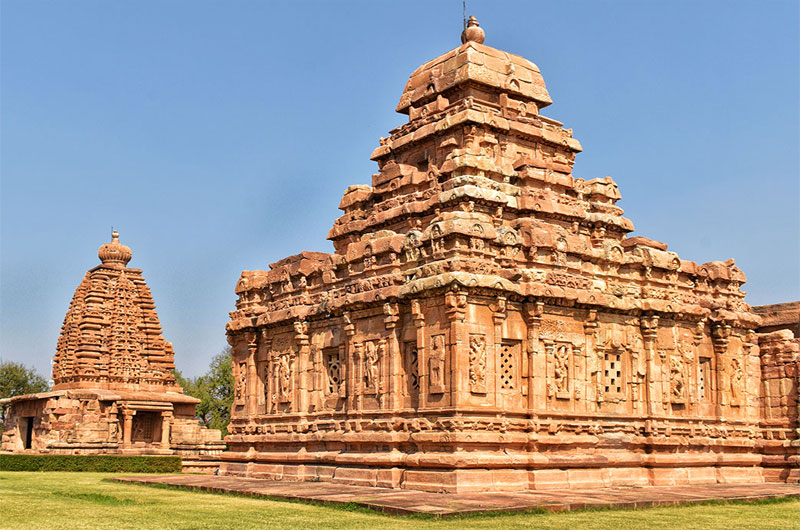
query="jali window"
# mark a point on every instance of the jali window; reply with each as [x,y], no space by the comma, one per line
[704,379]
[612,373]
[507,365]
[333,369]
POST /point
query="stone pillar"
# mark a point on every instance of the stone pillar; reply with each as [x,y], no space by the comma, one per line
[593,364]
[419,324]
[303,371]
[166,420]
[456,307]
[317,378]
[720,337]
[498,317]
[697,339]
[127,428]
[533,319]
[252,374]
[349,331]
[358,375]
[649,328]
[269,387]
[391,314]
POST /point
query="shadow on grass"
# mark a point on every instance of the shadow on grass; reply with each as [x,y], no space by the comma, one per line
[99,498]
[357,507]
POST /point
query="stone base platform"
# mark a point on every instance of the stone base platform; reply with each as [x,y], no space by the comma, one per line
[409,502]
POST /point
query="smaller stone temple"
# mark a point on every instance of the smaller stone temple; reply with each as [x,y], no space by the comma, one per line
[114,390]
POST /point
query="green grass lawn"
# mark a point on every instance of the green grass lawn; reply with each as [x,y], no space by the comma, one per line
[33,500]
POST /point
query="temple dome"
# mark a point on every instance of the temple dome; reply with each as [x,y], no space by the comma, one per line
[473,62]
[115,254]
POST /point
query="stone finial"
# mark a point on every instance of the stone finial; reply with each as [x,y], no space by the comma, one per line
[473,32]
[115,253]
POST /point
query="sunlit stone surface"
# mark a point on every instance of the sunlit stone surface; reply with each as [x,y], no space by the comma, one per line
[485,323]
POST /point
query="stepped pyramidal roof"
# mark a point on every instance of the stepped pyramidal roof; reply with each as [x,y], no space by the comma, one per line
[476,190]
[111,336]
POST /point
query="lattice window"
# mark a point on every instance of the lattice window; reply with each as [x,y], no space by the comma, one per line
[412,366]
[143,427]
[704,378]
[333,369]
[508,365]
[613,373]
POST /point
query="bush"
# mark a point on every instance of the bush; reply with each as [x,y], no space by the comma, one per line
[96,463]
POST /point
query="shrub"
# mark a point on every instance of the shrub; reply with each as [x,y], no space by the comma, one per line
[96,463]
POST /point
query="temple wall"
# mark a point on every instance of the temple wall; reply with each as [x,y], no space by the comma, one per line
[542,393]
[71,423]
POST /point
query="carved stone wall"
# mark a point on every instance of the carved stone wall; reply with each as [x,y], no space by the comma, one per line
[485,322]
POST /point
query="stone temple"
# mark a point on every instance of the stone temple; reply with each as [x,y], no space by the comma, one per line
[114,389]
[485,322]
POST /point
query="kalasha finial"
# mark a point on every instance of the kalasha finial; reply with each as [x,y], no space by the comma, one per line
[473,32]
[114,254]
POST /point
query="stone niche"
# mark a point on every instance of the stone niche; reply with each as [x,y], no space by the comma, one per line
[486,323]
[114,389]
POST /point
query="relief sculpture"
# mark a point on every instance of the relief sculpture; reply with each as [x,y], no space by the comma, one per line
[477,364]
[370,368]
[436,365]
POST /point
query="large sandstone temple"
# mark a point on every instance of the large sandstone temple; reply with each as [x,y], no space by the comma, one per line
[485,322]
[114,388]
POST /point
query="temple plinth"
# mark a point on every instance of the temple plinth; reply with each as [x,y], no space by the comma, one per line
[114,389]
[487,323]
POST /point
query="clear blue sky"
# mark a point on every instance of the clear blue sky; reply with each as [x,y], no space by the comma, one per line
[219,136]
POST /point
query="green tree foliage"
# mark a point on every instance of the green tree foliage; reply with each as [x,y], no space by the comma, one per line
[214,389]
[17,380]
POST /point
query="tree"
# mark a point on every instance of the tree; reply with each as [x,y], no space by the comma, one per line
[214,389]
[17,380]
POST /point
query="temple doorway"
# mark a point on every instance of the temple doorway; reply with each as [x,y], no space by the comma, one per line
[26,430]
[144,427]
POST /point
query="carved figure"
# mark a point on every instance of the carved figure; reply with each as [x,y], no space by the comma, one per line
[561,372]
[371,368]
[676,377]
[436,364]
[284,377]
[737,380]
[241,381]
[477,363]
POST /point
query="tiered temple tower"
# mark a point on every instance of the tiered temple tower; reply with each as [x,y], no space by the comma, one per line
[486,323]
[114,388]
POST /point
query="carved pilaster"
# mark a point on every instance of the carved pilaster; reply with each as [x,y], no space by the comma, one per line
[252,374]
[166,421]
[536,385]
[127,426]
[394,362]
[499,314]
[649,328]
[303,369]
[419,323]
[593,363]
[349,330]
[720,338]
[456,309]
[269,384]
[358,375]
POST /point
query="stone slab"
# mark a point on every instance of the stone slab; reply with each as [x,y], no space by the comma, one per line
[397,501]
